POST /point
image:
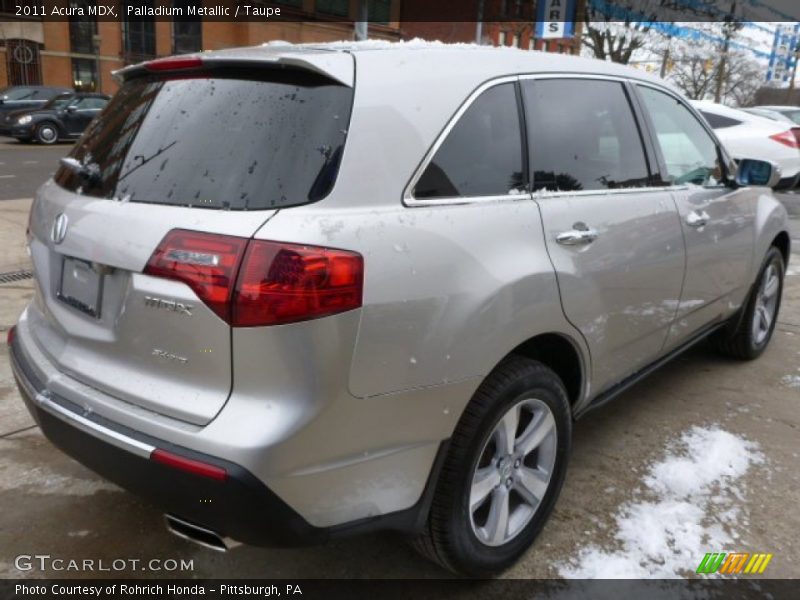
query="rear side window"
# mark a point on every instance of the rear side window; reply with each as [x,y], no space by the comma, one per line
[690,153]
[718,121]
[220,140]
[482,154]
[583,136]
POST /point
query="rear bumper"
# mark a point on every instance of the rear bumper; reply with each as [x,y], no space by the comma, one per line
[241,507]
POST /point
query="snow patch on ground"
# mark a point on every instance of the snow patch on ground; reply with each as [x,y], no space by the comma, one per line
[793,381]
[678,517]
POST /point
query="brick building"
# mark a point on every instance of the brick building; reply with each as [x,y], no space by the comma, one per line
[82,52]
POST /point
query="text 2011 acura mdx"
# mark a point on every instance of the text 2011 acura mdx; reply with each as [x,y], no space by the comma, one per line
[292,292]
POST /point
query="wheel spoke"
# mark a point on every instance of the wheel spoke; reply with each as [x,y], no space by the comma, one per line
[484,482]
[771,286]
[540,427]
[532,485]
[497,523]
[506,431]
[766,317]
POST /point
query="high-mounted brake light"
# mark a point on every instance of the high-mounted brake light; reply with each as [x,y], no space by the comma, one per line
[787,138]
[277,283]
[188,465]
[178,63]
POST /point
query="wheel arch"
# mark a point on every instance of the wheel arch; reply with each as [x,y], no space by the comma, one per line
[783,243]
[561,354]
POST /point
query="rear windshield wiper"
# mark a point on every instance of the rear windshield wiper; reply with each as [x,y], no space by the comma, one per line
[89,172]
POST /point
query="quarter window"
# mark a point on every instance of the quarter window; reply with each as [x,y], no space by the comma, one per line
[718,121]
[689,152]
[583,136]
[482,154]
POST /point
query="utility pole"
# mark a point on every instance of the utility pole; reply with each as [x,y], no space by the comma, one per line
[790,89]
[665,59]
[361,27]
[479,24]
[730,28]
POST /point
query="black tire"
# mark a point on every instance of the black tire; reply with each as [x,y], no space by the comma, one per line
[738,340]
[449,538]
[47,133]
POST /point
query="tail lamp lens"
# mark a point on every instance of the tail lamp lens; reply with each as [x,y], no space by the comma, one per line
[787,138]
[11,335]
[277,283]
[206,262]
[284,283]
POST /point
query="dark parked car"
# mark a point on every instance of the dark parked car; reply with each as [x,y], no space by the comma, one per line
[63,117]
[18,97]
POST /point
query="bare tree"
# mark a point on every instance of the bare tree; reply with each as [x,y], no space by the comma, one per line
[615,41]
[696,71]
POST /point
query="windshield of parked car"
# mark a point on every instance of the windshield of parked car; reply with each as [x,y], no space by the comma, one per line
[17,94]
[59,101]
[220,140]
[794,115]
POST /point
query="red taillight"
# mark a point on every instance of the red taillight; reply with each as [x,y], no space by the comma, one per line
[177,63]
[188,465]
[10,335]
[787,138]
[277,283]
[206,262]
[284,283]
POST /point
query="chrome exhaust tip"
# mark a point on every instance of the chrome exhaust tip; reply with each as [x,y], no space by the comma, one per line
[199,535]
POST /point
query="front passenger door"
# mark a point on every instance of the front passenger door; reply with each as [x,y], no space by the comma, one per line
[717,220]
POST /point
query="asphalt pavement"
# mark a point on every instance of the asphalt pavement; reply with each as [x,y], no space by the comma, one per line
[24,167]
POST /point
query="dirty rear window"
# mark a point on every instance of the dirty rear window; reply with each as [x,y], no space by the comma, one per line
[220,140]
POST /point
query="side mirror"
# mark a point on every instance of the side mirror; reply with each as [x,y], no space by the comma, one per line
[758,173]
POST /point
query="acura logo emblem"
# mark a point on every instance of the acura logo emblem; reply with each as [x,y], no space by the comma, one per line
[59,231]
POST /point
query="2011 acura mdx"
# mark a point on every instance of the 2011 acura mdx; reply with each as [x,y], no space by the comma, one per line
[294,292]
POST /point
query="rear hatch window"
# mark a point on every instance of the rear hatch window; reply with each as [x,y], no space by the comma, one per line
[221,139]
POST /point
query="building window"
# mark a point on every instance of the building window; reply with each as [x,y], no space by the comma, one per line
[503,38]
[515,41]
[84,74]
[82,29]
[139,36]
[187,32]
[380,11]
[339,8]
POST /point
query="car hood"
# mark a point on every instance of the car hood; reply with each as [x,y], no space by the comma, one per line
[11,116]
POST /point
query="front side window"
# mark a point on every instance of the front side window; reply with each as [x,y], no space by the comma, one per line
[583,136]
[482,154]
[690,153]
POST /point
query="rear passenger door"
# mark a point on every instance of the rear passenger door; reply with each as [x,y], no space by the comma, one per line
[717,220]
[613,235]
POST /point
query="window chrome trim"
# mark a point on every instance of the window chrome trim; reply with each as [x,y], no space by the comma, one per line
[408,193]
[408,196]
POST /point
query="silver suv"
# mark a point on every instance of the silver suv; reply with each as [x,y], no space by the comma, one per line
[294,292]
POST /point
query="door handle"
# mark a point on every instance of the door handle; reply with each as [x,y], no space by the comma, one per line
[697,219]
[577,237]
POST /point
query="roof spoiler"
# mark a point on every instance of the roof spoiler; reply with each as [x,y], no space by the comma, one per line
[332,65]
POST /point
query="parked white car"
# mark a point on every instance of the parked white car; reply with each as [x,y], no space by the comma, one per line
[748,135]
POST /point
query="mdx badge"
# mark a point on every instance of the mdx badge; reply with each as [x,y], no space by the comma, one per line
[173,305]
[59,230]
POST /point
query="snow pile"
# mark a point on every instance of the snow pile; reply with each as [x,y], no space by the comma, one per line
[687,497]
